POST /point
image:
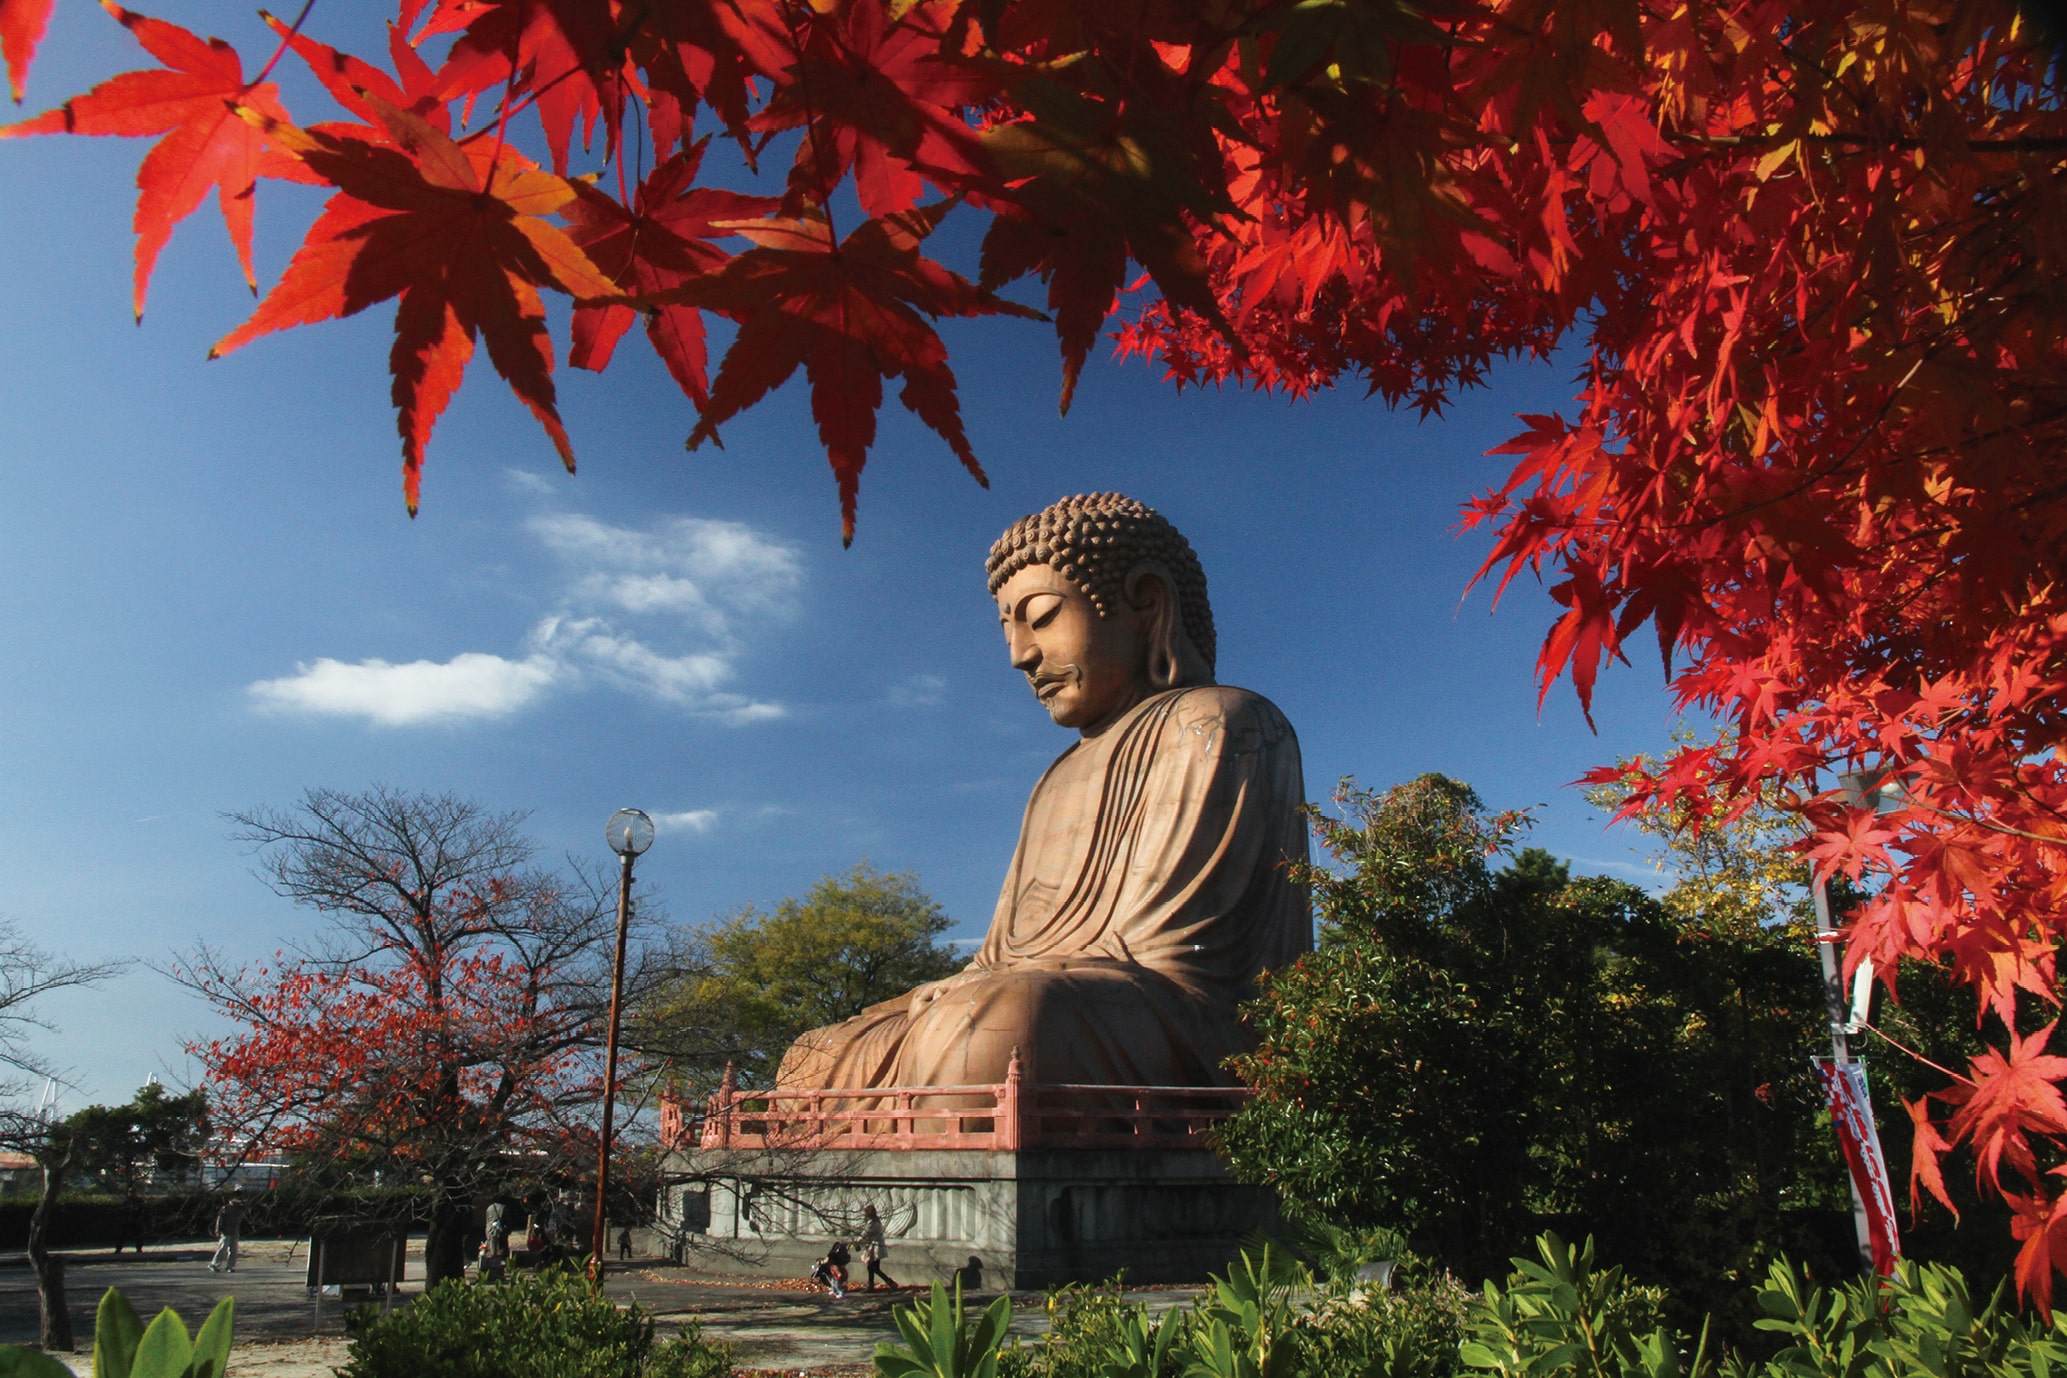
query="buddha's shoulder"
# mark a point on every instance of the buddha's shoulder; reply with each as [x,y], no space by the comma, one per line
[1229,707]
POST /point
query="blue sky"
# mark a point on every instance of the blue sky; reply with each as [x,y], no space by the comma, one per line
[211,598]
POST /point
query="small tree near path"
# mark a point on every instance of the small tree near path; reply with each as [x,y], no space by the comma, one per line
[27,972]
[442,1023]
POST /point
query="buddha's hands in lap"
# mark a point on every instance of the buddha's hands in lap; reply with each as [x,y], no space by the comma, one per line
[924,997]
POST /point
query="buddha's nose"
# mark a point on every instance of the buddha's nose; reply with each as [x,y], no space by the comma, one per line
[1024,650]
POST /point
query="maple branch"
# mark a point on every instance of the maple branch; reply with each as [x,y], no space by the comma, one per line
[530,96]
[281,50]
[2003,828]
[509,87]
[1900,1047]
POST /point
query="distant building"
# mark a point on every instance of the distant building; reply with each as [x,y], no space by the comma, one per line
[19,1174]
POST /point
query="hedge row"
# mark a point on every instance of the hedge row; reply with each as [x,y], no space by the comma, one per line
[80,1221]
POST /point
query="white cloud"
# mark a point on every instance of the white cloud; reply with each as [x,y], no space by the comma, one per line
[703,572]
[917,691]
[591,645]
[660,612]
[687,821]
[470,685]
[530,481]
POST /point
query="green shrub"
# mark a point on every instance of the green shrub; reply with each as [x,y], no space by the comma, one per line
[1095,1332]
[1413,1332]
[1242,1326]
[1561,1315]
[940,1341]
[1922,1322]
[124,1347]
[1555,1316]
[548,1325]
[1266,1318]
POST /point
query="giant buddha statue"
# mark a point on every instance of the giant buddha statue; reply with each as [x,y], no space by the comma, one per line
[1151,884]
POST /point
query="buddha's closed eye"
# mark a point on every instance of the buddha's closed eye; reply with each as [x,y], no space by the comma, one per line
[1040,609]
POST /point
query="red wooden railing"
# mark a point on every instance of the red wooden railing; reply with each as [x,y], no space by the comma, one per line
[1011,1114]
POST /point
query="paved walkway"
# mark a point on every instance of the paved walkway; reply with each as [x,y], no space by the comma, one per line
[281,1335]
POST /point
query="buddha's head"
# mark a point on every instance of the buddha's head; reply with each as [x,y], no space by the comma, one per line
[1103,604]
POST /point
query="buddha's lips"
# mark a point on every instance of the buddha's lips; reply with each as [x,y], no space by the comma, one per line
[1043,685]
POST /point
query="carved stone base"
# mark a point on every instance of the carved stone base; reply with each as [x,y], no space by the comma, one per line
[1031,1218]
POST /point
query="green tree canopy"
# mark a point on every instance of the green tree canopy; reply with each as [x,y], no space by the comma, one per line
[119,1147]
[741,989]
[1471,1050]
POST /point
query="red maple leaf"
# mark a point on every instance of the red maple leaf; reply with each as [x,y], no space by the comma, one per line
[21,28]
[2014,1094]
[657,243]
[565,55]
[190,101]
[851,314]
[876,96]
[349,80]
[2041,1222]
[456,234]
[1094,184]
[1927,1147]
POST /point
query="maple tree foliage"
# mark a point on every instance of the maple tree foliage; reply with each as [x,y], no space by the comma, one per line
[443,1025]
[1811,251]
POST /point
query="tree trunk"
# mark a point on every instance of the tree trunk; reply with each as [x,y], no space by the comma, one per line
[55,1330]
[445,1244]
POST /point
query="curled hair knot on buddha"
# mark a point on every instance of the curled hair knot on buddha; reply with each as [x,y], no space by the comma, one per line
[1098,541]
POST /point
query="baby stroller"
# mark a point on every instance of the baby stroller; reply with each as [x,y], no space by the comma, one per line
[830,1272]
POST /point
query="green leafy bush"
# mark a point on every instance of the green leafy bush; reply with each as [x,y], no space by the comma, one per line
[1562,1315]
[1266,1317]
[1095,1332]
[1923,1322]
[1241,1327]
[1555,1316]
[940,1341]
[1412,1332]
[124,1347]
[548,1325]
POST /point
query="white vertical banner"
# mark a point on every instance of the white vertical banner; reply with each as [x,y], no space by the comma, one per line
[1851,1111]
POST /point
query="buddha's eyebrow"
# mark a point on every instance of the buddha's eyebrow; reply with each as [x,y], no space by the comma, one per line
[1019,609]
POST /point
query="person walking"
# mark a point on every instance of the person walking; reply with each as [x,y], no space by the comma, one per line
[229,1224]
[871,1243]
[498,1228]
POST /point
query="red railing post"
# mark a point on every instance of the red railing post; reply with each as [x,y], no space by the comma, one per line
[1005,1127]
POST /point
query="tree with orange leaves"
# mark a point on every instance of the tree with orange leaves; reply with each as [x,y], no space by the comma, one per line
[443,1025]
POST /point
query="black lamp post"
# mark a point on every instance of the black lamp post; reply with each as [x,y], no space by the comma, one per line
[629,833]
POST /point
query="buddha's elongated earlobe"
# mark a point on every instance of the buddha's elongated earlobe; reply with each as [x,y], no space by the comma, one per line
[1152,593]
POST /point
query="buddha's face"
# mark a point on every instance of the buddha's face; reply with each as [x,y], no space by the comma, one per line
[1085,669]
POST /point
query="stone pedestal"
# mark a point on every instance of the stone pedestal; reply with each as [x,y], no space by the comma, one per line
[1032,1217]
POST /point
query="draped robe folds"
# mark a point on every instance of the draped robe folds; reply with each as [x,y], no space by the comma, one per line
[1149,889]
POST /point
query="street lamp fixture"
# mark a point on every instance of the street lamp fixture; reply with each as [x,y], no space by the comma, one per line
[629,833]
